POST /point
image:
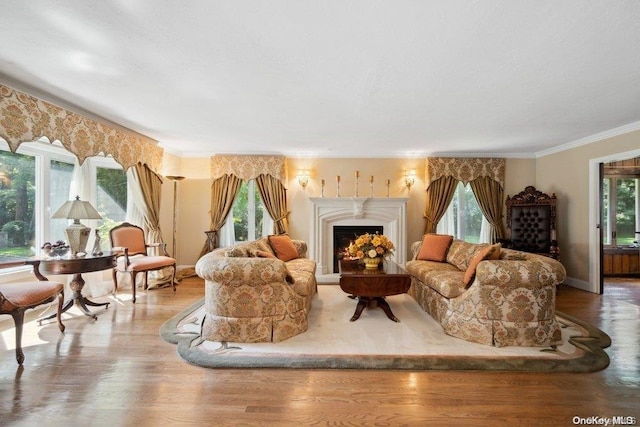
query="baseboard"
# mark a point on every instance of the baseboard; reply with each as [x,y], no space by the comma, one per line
[577,283]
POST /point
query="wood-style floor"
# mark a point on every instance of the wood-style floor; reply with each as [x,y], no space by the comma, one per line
[116,371]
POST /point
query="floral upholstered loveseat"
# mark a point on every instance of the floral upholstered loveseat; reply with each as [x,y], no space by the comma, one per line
[487,294]
[253,296]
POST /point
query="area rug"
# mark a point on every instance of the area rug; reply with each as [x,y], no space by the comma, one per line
[373,341]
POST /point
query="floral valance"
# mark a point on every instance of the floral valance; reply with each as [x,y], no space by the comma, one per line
[26,118]
[248,167]
[464,169]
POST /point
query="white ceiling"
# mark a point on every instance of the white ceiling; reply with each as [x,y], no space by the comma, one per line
[335,78]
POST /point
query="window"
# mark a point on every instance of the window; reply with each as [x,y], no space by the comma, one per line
[111,195]
[463,218]
[248,213]
[17,205]
[36,181]
[620,202]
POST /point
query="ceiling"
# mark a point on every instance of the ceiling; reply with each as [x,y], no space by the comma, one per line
[335,78]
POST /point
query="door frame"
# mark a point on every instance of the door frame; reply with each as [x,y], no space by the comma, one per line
[595,202]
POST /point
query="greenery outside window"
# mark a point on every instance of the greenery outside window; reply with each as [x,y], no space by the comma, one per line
[620,220]
[463,218]
[248,213]
[36,181]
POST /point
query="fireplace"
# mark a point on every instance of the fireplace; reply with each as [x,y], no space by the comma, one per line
[328,212]
[343,235]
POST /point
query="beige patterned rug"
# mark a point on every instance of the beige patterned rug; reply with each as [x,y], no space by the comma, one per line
[417,342]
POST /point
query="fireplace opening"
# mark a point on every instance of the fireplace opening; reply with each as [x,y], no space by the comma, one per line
[343,235]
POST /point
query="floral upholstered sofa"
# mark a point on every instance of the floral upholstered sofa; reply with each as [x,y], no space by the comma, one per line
[257,291]
[486,294]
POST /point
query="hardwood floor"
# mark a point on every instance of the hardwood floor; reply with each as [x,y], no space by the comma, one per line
[116,371]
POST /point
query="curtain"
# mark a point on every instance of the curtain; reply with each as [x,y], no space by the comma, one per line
[274,197]
[97,283]
[490,197]
[223,193]
[145,191]
[439,195]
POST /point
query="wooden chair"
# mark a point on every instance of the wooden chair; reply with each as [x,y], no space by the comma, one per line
[531,222]
[128,240]
[18,297]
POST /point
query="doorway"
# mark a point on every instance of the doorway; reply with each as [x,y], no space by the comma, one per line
[613,194]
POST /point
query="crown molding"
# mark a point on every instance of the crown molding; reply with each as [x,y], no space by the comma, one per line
[628,128]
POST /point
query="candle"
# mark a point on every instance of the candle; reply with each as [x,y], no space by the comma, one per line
[357,174]
[322,182]
[338,178]
[371,178]
[388,181]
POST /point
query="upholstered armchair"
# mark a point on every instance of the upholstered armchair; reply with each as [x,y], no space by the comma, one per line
[531,223]
[18,297]
[128,241]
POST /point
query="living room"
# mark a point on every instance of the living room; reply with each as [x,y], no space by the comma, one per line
[351,113]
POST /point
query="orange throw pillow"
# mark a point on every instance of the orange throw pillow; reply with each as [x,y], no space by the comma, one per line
[434,247]
[283,247]
[490,252]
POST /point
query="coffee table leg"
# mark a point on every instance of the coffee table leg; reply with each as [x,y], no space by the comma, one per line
[384,305]
[362,303]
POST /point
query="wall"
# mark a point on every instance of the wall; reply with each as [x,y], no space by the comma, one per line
[194,194]
[567,174]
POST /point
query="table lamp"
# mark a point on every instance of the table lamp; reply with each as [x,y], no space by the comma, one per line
[77,233]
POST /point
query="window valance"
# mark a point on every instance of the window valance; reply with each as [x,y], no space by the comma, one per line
[249,167]
[464,169]
[26,118]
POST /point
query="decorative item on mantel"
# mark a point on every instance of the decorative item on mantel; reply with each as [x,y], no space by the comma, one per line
[371,186]
[388,184]
[338,186]
[322,191]
[371,249]
[77,233]
[357,178]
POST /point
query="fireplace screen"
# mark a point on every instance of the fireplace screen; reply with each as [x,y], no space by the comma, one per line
[343,235]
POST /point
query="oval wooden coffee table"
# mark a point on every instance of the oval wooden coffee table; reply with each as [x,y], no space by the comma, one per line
[372,286]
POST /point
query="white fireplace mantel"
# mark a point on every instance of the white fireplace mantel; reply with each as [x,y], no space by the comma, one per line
[327,212]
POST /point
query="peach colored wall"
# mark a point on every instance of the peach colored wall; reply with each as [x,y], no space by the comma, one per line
[194,194]
[567,174]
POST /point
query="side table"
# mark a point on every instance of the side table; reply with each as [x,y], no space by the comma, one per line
[75,266]
[372,286]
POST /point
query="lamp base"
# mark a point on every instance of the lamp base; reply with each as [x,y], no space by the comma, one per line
[77,238]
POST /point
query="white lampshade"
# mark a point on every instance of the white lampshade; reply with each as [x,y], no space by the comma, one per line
[77,233]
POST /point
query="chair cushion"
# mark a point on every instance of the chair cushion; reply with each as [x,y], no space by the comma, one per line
[142,263]
[283,247]
[434,247]
[28,294]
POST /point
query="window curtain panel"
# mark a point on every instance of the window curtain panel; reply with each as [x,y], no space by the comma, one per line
[274,197]
[490,197]
[488,190]
[439,196]
[97,283]
[146,190]
[223,192]
[25,118]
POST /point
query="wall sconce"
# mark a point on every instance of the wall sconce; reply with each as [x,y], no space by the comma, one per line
[409,178]
[303,177]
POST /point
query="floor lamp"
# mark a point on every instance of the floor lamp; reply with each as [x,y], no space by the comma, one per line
[175,180]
